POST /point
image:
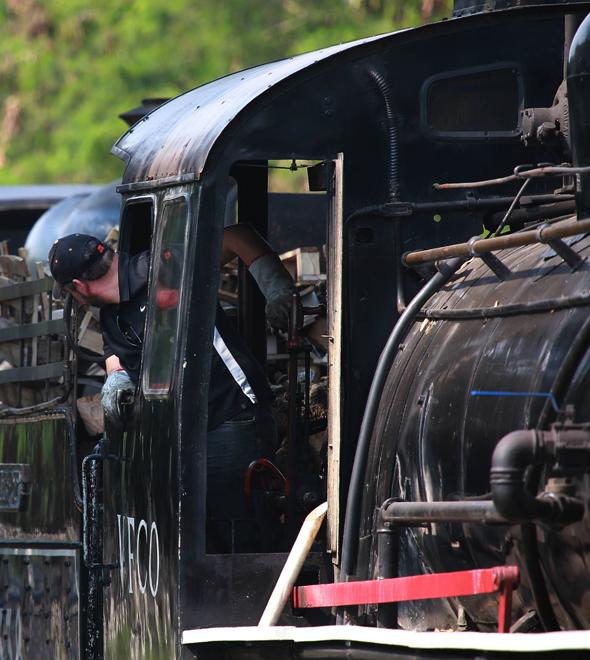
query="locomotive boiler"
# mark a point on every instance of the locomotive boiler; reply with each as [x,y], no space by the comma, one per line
[485,412]
[480,442]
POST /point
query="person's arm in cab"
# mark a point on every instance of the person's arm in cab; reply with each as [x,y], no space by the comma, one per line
[266,268]
[244,242]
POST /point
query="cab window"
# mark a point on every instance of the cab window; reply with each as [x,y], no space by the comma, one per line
[165,296]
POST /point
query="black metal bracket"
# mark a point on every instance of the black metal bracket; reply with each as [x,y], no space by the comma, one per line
[500,270]
[560,247]
[92,511]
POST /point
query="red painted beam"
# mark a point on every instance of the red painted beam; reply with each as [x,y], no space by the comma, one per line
[416,587]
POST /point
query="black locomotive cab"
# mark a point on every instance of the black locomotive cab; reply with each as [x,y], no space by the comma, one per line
[444,332]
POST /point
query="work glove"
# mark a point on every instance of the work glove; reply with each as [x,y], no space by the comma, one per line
[117,395]
[276,286]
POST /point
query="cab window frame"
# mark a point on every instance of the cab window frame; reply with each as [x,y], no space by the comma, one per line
[126,228]
[148,390]
[480,134]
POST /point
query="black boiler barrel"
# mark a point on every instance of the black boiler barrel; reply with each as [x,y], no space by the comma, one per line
[435,436]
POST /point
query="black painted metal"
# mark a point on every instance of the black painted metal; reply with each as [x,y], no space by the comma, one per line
[578,78]
[92,548]
[47,545]
[387,566]
[438,439]
[253,210]
[316,113]
[351,523]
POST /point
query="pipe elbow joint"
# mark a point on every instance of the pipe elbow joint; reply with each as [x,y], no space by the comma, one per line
[511,457]
[515,452]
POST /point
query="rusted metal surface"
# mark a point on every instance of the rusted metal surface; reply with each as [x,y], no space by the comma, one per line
[473,248]
[519,173]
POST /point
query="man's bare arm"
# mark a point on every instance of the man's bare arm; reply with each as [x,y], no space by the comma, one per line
[244,242]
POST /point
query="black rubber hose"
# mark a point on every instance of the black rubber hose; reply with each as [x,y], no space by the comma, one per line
[392,136]
[393,186]
[357,477]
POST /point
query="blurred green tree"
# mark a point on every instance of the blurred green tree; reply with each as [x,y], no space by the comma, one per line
[69,67]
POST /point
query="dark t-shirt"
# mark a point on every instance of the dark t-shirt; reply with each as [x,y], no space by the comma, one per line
[123,324]
[237,381]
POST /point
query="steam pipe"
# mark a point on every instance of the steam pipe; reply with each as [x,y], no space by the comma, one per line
[409,514]
[357,477]
[512,456]
[531,204]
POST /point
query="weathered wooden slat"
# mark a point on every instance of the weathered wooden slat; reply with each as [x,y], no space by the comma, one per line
[28,374]
[22,289]
[14,333]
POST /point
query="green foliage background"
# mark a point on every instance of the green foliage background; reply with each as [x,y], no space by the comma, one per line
[69,67]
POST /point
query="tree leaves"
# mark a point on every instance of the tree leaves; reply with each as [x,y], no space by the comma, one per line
[69,67]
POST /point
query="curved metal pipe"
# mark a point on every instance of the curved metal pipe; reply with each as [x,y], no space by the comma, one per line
[512,456]
[357,477]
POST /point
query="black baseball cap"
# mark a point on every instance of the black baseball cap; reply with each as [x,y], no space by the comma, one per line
[71,256]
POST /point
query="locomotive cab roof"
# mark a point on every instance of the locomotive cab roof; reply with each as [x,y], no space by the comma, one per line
[174,142]
[176,139]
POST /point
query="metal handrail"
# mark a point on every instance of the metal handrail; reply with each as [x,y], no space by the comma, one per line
[480,246]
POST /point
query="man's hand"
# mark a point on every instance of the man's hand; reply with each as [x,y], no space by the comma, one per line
[277,287]
[118,391]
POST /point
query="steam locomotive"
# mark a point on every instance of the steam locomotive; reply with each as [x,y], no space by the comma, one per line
[449,177]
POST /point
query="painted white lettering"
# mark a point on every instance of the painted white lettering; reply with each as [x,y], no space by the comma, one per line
[121,549]
[154,533]
[130,526]
[134,550]
[142,585]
